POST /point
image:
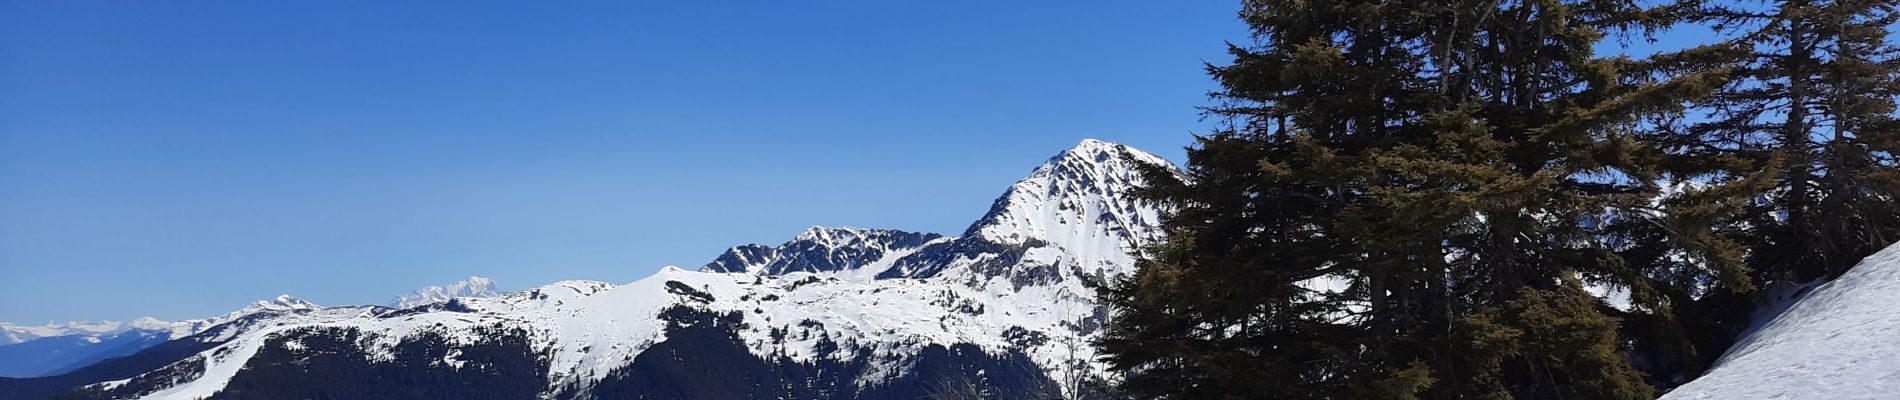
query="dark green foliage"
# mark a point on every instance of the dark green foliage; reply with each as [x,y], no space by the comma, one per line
[1814,95]
[1534,347]
[1807,120]
[1463,168]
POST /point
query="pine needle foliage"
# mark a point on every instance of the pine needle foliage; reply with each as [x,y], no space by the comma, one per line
[1409,200]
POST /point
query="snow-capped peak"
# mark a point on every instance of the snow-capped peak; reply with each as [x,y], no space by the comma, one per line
[474,286]
[1020,281]
[149,323]
[823,249]
[826,234]
[1082,191]
[282,302]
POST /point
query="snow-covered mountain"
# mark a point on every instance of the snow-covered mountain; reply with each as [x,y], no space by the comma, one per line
[1006,307]
[12,333]
[59,348]
[60,354]
[823,249]
[474,286]
[1840,340]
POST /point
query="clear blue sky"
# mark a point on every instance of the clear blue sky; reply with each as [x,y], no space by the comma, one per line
[181,158]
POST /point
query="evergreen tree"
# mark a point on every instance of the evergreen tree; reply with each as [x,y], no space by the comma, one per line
[1859,211]
[1815,95]
[1462,167]
[1806,122]
[1222,304]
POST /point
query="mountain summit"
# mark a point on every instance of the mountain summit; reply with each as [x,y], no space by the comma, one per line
[474,286]
[1075,198]
[835,312]
[1071,216]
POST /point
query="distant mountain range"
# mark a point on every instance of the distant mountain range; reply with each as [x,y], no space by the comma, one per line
[13,333]
[57,348]
[474,286]
[1007,306]
[1005,309]
[61,354]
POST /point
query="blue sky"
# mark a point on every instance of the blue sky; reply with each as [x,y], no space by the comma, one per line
[179,159]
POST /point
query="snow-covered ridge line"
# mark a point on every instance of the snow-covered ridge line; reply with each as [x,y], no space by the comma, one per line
[14,333]
[821,249]
[1042,204]
[1021,280]
[11,333]
[474,286]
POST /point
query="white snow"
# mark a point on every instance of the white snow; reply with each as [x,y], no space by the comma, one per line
[1840,341]
[1072,224]
[474,286]
[94,331]
[1070,219]
[11,333]
[1078,201]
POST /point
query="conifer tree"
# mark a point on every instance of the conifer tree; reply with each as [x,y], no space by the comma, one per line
[1815,95]
[1859,211]
[1461,168]
[1806,121]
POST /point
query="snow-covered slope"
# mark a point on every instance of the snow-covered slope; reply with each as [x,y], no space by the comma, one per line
[834,312]
[1071,214]
[60,348]
[474,286]
[1839,341]
[1076,200]
[11,333]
